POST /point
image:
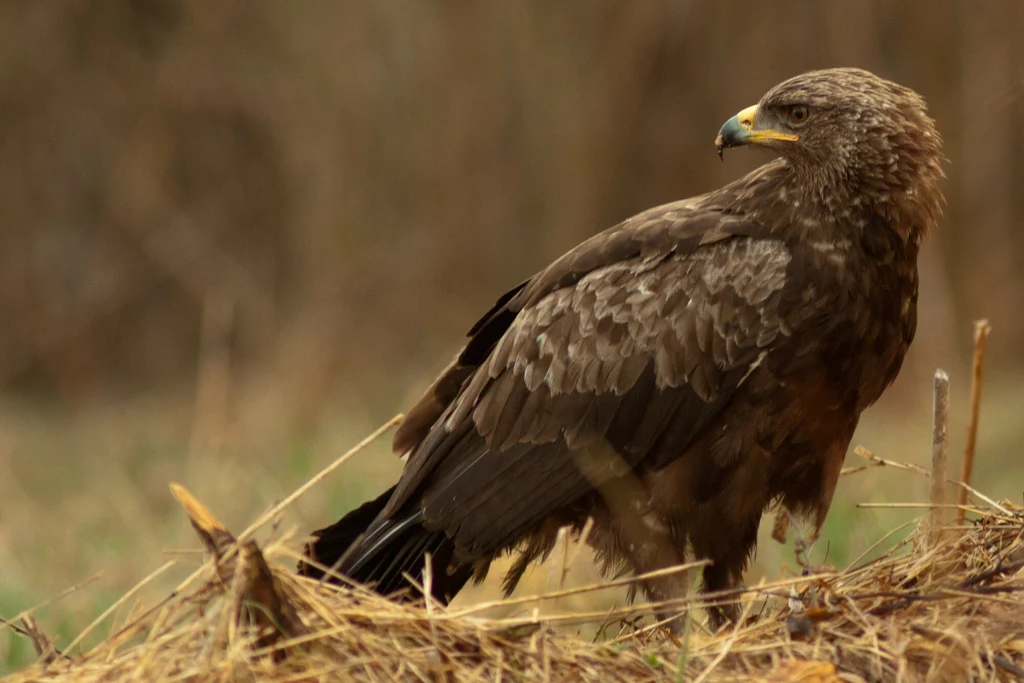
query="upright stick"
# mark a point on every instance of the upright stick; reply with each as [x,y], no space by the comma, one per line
[981,330]
[940,440]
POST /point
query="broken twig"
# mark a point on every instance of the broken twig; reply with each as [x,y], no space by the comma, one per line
[256,595]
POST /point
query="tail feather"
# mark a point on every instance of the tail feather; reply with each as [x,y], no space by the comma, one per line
[384,554]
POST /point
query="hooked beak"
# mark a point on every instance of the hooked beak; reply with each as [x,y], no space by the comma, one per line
[741,130]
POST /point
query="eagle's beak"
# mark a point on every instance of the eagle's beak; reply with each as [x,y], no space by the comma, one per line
[740,130]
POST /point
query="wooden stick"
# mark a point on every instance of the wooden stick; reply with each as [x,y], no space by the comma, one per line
[981,330]
[940,442]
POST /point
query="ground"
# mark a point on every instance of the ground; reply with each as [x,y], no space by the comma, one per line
[85,493]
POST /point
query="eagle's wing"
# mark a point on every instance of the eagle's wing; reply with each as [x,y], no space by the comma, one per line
[637,339]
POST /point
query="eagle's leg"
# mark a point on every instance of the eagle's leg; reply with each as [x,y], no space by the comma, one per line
[721,577]
[673,589]
[640,538]
[729,550]
[630,530]
[659,550]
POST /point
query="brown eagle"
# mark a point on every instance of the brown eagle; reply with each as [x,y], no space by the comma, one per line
[675,375]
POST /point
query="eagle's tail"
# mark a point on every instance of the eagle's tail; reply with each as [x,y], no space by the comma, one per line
[388,555]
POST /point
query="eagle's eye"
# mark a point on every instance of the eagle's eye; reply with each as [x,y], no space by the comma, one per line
[799,114]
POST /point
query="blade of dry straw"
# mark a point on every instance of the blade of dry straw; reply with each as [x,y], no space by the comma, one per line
[625,581]
[981,330]
[916,506]
[110,610]
[982,497]
[691,601]
[264,518]
[215,536]
[49,601]
[728,644]
[876,461]
[879,542]
[320,476]
[131,627]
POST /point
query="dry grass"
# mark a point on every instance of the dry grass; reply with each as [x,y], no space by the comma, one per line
[934,607]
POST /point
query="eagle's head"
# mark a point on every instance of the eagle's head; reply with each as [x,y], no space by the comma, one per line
[849,134]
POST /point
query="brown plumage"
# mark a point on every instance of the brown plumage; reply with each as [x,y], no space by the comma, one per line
[674,376]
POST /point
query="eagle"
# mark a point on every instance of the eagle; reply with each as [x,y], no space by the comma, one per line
[677,375]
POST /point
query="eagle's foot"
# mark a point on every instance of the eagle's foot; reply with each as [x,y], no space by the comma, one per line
[677,623]
[723,615]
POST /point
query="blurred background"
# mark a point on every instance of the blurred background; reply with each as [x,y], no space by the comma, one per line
[236,237]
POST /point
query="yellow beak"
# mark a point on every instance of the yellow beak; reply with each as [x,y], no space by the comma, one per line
[741,130]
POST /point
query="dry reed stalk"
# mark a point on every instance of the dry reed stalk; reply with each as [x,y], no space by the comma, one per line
[117,604]
[318,477]
[981,330]
[10,623]
[46,651]
[940,448]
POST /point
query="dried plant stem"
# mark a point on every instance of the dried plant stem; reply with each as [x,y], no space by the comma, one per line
[10,623]
[604,585]
[862,452]
[981,330]
[940,447]
[132,627]
[320,476]
[982,497]
[46,651]
[110,610]
[729,644]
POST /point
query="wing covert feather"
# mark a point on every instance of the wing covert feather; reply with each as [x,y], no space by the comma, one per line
[636,339]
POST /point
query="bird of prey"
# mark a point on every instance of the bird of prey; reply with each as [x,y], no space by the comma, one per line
[676,375]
